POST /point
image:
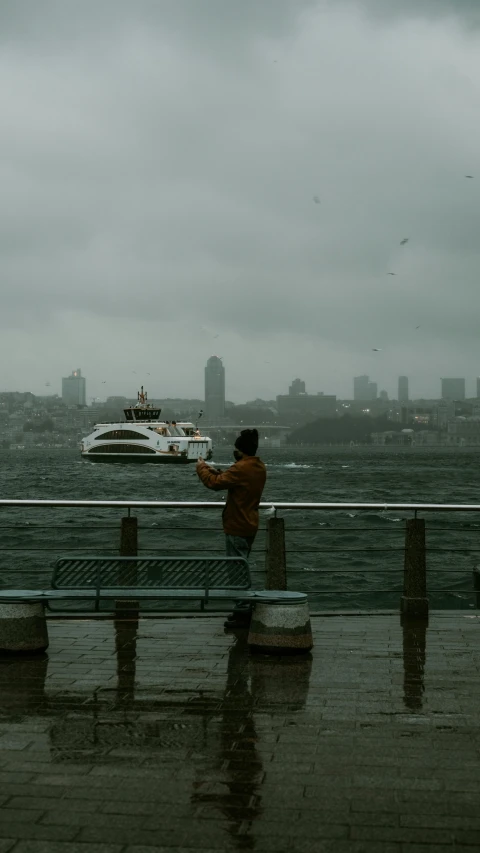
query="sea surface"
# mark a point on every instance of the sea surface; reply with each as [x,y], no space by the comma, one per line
[345,560]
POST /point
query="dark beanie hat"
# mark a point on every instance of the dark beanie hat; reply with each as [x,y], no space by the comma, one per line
[247,442]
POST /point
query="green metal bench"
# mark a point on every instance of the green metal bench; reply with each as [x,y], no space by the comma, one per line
[99,579]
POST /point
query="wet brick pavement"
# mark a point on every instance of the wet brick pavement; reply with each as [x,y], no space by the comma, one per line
[167,735]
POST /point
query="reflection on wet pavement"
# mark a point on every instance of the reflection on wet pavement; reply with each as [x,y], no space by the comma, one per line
[167,733]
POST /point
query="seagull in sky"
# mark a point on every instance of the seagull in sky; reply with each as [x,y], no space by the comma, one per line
[469,176]
[104,381]
[316,199]
[404,241]
[391,273]
[374,349]
[418,327]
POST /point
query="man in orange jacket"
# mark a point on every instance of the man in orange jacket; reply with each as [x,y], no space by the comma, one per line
[244,481]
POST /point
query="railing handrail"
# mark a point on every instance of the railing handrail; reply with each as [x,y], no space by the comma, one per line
[271,505]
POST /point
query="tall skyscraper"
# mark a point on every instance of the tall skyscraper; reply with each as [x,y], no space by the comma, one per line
[214,388]
[453,389]
[74,392]
[297,387]
[360,388]
[403,389]
[363,389]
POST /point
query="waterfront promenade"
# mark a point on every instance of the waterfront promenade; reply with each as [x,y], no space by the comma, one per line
[166,734]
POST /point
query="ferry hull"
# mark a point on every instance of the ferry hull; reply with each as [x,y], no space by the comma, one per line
[136,458]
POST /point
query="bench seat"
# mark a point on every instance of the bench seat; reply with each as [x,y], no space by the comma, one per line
[88,594]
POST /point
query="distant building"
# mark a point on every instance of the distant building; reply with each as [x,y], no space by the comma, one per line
[453,389]
[214,389]
[442,414]
[360,388]
[383,395]
[297,387]
[403,389]
[478,387]
[74,391]
[363,389]
[304,407]
[464,432]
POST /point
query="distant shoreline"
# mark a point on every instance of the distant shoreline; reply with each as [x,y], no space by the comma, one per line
[380,448]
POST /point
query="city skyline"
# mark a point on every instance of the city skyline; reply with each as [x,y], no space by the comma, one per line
[252,202]
[215,390]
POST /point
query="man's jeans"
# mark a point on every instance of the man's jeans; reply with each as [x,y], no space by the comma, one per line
[238,546]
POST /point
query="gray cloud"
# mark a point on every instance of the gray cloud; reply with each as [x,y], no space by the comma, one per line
[464,10]
[158,167]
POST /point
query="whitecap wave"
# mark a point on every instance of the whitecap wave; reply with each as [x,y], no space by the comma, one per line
[296,465]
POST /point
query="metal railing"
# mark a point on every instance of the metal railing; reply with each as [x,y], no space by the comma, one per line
[329,562]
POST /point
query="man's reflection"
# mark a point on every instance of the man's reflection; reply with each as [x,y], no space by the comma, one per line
[239,763]
[281,681]
[414,645]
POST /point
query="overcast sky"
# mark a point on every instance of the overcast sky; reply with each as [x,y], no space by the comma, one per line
[159,162]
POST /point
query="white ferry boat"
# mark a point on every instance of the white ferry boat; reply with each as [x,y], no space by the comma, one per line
[145,438]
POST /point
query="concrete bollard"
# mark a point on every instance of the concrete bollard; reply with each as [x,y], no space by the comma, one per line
[23,627]
[414,601]
[281,628]
[275,558]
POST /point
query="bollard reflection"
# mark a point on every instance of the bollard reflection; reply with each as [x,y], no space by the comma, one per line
[282,680]
[414,652]
[126,631]
[22,684]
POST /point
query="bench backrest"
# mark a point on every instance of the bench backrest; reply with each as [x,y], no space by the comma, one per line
[166,572]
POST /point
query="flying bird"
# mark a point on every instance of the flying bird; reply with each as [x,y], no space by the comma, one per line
[391,273]
[404,241]
[469,176]
[374,349]
[104,381]
[418,327]
[316,199]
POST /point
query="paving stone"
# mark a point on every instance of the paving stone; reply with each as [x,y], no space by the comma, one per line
[65,847]
[135,742]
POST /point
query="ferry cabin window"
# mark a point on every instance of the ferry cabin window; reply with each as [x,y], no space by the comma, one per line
[121,435]
[121,448]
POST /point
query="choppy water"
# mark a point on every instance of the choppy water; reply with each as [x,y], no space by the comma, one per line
[324,549]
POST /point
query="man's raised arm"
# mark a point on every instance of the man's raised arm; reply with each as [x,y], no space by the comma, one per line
[218,480]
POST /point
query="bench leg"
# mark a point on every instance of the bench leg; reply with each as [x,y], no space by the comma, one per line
[23,627]
[280,628]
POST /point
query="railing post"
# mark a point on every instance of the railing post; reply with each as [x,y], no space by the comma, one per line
[275,559]
[414,601]
[129,537]
[476,585]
